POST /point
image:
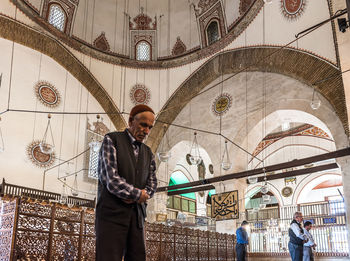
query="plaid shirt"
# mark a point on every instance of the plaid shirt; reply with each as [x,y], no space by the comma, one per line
[108,171]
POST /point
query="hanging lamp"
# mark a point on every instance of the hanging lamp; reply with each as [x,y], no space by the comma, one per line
[74,189]
[163,154]
[195,157]
[44,145]
[252,179]
[225,162]
[64,194]
[315,101]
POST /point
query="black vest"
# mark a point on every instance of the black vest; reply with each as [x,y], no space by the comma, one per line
[293,238]
[134,171]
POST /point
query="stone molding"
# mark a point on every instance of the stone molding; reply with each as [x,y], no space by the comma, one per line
[235,29]
[296,64]
[22,34]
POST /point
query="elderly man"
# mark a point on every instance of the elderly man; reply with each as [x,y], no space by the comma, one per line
[127,180]
[308,255]
[297,237]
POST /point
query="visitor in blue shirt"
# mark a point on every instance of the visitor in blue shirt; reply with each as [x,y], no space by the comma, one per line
[242,241]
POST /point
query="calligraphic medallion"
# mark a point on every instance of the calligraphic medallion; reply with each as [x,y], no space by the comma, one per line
[224,206]
[47,94]
[222,104]
[292,8]
[287,192]
[38,158]
[139,94]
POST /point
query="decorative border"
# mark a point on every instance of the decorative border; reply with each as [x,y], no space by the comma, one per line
[228,106]
[48,85]
[297,13]
[143,88]
[31,155]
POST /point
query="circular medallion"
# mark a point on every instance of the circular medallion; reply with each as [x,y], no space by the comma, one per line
[287,192]
[38,158]
[222,104]
[211,168]
[47,94]
[139,94]
[291,9]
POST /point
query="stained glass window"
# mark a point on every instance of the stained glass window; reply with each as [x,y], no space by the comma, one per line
[57,17]
[213,32]
[143,51]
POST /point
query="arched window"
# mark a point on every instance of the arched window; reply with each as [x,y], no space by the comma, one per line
[213,32]
[143,51]
[57,17]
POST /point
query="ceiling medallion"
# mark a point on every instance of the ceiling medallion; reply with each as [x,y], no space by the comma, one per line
[292,9]
[222,104]
[287,192]
[38,158]
[140,94]
[47,94]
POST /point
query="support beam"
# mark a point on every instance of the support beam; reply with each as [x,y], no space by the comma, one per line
[280,166]
[190,190]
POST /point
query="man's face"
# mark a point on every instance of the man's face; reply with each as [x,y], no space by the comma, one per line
[308,227]
[299,218]
[141,124]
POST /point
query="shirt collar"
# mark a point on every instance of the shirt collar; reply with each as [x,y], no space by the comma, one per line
[132,138]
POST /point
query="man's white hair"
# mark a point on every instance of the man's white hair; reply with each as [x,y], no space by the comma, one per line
[297,214]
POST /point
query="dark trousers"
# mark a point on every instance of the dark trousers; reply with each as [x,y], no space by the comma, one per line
[241,252]
[115,241]
[296,252]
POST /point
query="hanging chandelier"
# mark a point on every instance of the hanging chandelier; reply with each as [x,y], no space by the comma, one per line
[225,162]
[163,154]
[195,157]
[252,179]
[44,145]
[74,189]
[64,195]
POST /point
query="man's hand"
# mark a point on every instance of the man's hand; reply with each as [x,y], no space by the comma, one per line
[144,197]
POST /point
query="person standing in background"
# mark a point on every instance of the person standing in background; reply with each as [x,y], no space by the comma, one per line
[242,241]
[297,237]
[308,255]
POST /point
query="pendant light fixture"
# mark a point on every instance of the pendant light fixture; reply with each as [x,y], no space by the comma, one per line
[44,145]
[195,157]
[225,162]
[315,102]
[264,189]
[252,179]
[2,146]
[64,194]
[164,154]
[74,189]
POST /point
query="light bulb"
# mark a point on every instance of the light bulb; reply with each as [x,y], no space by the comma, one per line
[226,165]
[164,156]
[252,180]
[46,148]
[315,104]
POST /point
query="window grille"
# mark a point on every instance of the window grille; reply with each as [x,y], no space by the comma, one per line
[143,51]
[213,32]
[57,17]
[93,159]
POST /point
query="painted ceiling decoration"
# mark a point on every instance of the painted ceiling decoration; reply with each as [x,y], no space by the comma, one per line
[142,21]
[303,130]
[101,43]
[38,158]
[179,47]
[221,104]
[47,94]
[244,6]
[140,94]
[292,9]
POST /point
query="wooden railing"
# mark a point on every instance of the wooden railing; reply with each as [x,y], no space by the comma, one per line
[20,191]
[42,230]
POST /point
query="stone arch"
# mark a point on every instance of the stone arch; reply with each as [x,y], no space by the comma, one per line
[291,62]
[15,31]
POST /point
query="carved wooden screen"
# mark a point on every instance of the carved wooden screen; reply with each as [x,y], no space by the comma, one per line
[7,225]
